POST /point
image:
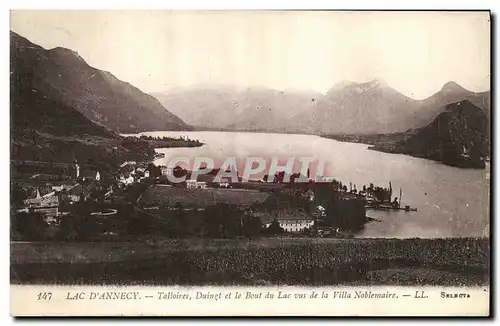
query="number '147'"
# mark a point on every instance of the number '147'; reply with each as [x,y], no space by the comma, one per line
[44,296]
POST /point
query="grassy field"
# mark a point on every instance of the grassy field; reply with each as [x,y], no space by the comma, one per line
[200,197]
[445,262]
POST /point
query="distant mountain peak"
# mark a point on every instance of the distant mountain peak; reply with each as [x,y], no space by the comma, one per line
[61,49]
[367,85]
[452,86]
[343,83]
[67,52]
[377,83]
[350,87]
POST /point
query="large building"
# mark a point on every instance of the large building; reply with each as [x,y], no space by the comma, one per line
[291,220]
[294,220]
[47,205]
[296,225]
[76,194]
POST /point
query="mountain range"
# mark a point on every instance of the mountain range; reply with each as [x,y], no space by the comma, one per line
[349,107]
[63,108]
[254,108]
[98,95]
[48,124]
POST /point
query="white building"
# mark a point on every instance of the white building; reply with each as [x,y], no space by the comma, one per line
[293,220]
[126,180]
[296,225]
[224,183]
[168,171]
[46,200]
[193,184]
[309,195]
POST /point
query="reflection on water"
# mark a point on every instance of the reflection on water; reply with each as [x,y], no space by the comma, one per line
[451,201]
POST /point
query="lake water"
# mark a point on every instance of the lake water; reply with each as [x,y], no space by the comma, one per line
[451,202]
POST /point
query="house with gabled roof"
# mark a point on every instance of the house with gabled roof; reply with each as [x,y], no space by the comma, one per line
[77,193]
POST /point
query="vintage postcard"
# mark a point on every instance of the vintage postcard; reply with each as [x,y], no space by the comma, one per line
[250,163]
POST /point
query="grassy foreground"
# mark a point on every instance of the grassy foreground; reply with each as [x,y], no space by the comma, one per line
[444,262]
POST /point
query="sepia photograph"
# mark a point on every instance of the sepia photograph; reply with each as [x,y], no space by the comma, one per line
[345,154]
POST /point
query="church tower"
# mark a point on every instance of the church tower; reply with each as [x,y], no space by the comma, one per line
[77,169]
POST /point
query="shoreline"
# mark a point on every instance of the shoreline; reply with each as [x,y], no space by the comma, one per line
[391,144]
[383,143]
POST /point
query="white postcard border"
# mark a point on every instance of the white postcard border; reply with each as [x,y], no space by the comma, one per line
[222,301]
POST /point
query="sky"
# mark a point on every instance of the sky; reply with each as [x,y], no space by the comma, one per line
[414,52]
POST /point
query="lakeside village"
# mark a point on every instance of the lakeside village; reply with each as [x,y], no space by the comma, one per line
[73,202]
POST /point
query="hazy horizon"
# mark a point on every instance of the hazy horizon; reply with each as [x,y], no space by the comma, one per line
[416,53]
[243,88]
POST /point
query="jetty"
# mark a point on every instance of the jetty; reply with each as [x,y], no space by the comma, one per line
[383,200]
[389,207]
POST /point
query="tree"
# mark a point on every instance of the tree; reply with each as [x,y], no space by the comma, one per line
[98,193]
[251,225]
[181,222]
[307,231]
[212,221]
[80,224]
[179,172]
[30,226]
[275,228]
[140,225]
[154,171]
[18,195]
[222,221]
[279,177]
